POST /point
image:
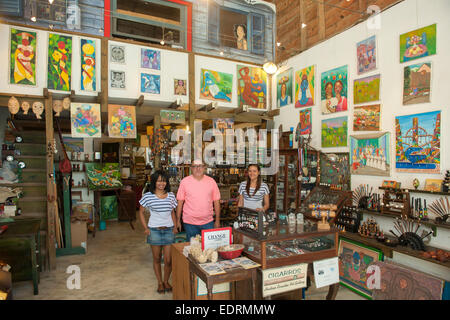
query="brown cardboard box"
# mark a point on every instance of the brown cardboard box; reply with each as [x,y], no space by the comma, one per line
[79,234]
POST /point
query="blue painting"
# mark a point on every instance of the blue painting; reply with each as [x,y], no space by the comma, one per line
[150,59]
[150,83]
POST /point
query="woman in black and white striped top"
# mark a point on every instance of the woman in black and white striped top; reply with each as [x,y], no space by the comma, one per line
[253,193]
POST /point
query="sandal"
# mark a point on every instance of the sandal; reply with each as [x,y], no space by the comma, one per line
[160,289]
[167,287]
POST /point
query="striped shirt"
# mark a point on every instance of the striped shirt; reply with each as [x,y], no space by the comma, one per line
[253,201]
[160,209]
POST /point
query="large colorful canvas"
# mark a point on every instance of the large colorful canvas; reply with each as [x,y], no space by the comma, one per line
[103,177]
[354,259]
[22,62]
[252,87]
[304,87]
[367,118]
[122,121]
[88,65]
[284,88]
[150,83]
[86,120]
[334,132]
[417,83]
[150,59]
[370,154]
[59,62]
[366,89]
[418,142]
[366,52]
[334,90]
[305,121]
[418,43]
[215,85]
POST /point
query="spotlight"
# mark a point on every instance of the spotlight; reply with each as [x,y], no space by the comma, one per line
[162,42]
[303,25]
[50,1]
[221,53]
[278,44]
[33,18]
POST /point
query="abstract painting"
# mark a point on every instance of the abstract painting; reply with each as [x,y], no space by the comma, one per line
[223,123]
[172,116]
[418,142]
[150,83]
[106,176]
[417,83]
[334,90]
[305,121]
[59,62]
[252,87]
[304,87]
[215,85]
[367,118]
[284,88]
[150,59]
[418,43]
[334,132]
[354,259]
[179,87]
[117,54]
[88,65]
[22,58]
[366,53]
[366,89]
[118,79]
[122,121]
[370,154]
[85,120]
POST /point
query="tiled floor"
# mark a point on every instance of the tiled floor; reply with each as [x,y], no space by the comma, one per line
[118,265]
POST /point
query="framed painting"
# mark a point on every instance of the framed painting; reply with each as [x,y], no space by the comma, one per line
[367,118]
[284,88]
[304,87]
[106,176]
[334,132]
[122,121]
[366,53]
[150,59]
[305,121]
[179,87]
[252,87]
[117,54]
[88,65]
[417,83]
[433,185]
[117,80]
[366,89]
[418,43]
[354,259]
[22,57]
[223,123]
[85,120]
[418,142]
[172,116]
[334,85]
[150,83]
[215,85]
[59,68]
[370,154]
[73,144]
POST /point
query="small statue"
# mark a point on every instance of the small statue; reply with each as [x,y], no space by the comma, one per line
[416,183]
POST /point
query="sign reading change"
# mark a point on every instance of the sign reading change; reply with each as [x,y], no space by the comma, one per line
[214,238]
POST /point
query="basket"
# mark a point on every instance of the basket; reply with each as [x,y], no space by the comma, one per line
[233,253]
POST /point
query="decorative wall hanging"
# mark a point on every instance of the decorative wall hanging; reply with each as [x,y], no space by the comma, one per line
[334,132]
[304,87]
[13,105]
[122,121]
[284,88]
[367,118]
[366,89]
[366,53]
[25,107]
[305,121]
[251,86]
[150,83]
[57,107]
[150,59]
[417,83]
[223,123]
[66,103]
[88,65]
[103,177]
[370,154]
[117,54]
[334,90]
[22,62]
[117,80]
[59,62]
[38,109]
[85,120]
[172,116]
[418,142]
[215,85]
[179,87]
[418,43]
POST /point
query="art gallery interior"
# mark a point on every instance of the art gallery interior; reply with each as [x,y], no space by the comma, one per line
[334,111]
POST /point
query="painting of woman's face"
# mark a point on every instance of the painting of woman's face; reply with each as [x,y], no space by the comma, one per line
[329,89]
[240,32]
[283,89]
[338,87]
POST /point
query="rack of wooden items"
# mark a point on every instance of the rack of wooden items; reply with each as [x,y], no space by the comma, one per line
[395,201]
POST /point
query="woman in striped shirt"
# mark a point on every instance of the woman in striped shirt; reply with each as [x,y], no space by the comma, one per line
[160,230]
[253,193]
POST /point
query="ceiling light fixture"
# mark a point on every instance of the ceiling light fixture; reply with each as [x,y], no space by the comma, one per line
[270,67]
[278,44]
[221,53]
[50,1]
[33,18]
[303,25]
[162,42]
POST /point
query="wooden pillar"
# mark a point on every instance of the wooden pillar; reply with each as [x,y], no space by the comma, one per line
[157,125]
[321,15]
[192,110]
[104,76]
[303,40]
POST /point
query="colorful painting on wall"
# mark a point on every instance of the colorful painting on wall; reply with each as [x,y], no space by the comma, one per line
[417,83]
[150,83]
[73,144]
[88,65]
[334,132]
[223,123]
[172,116]
[304,87]
[117,54]
[418,142]
[150,59]
[284,88]
[354,259]
[366,89]
[366,53]
[179,87]
[367,118]
[122,121]
[86,120]
[418,43]
[215,85]
[334,90]
[22,63]
[59,62]
[370,154]
[305,121]
[118,79]
[103,177]
[252,87]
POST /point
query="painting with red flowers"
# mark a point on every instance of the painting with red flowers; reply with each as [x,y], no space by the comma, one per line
[334,90]
[59,62]
[22,57]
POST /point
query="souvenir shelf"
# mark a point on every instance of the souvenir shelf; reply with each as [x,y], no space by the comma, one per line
[349,219]
[335,170]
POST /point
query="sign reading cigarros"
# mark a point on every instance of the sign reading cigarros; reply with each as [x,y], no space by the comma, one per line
[278,280]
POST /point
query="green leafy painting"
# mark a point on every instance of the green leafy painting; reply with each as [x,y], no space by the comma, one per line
[59,62]
[22,62]
[334,132]
[366,89]
[103,177]
[108,208]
